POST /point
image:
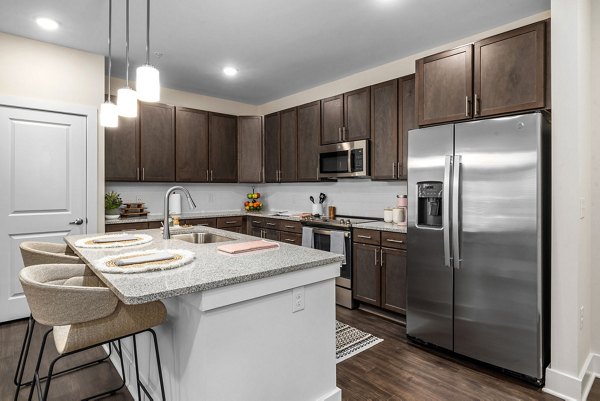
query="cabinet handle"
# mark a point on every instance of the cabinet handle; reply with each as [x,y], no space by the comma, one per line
[340,133]
[202,224]
[396,241]
[231,222]
[344,133]
[255,222]
[138,173]
[475,105]
[211,176]
[365,236]
[207,179]
[466,106]
[394,170]
[289,226]
[376,257]
[271,224]
[381,257]
[399,170]
[143,174]
[289,240]
[264,234]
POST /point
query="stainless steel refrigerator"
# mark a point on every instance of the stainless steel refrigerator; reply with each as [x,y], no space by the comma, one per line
[478,240]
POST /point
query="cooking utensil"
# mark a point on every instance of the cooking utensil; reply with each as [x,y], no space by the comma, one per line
[312,199]
[322,197]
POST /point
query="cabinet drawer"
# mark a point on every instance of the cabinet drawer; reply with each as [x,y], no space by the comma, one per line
[256,221]
[366,236]
[111,228]
[393,240]
[202,222]
[224,222]
[290,238]
[290,226]
[233,229]
[272,224]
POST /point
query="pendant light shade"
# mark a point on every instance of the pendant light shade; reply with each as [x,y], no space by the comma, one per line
[147,83]
[109,116]
[147,77]
[126,97]
[127,102]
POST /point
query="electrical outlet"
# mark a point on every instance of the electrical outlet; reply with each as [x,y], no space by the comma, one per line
[581,318]
[211,197]
[297,299]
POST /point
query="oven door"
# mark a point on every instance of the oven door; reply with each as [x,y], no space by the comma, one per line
[323,242]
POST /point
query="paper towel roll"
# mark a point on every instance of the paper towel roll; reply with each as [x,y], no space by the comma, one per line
[175,204]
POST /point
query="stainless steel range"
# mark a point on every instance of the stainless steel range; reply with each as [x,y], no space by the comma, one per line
[322,229]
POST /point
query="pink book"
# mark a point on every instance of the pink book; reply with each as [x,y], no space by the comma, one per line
[247,246]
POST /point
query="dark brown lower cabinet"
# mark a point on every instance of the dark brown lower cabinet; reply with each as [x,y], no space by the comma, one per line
[275,229]
[393,279]
[290,238]
[205,222]
[366,273]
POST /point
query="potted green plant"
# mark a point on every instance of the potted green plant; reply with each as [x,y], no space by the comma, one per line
[112,204]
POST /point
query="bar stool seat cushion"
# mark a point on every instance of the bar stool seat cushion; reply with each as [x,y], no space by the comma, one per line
[125,320]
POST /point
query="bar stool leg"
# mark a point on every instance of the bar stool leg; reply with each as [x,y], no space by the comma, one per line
[159,366]
[137,370]
[36,376]
[23,356]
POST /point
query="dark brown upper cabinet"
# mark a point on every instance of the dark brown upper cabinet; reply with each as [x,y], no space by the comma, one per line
[122,151]
[309,132]
[222,148]
[509,71]
[157,142]
[250,143]
[272,147]
[444,83]
[392,115]
[384,130]
[288,120]
[191,140]
[346,117]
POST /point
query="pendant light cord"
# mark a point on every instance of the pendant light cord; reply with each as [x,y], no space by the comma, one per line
[109,47]
[127,42]
[147,32]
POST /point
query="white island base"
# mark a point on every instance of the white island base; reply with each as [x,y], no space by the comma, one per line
[244,342]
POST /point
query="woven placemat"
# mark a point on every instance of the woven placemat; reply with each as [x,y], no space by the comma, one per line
[141,239]
[181,257]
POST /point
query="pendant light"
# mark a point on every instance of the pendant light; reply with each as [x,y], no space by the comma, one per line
[109,116]
[147,77]
[126,97]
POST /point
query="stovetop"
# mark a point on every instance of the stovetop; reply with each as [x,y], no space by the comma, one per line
[343,222]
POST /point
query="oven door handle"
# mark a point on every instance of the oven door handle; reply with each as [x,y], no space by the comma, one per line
[328,232]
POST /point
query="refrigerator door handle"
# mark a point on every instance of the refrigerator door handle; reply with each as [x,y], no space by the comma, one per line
[446,210]
[456,223]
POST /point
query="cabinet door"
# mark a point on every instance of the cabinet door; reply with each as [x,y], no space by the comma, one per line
[206,222]
[407,120]
[157,142]
[295,239]
[223,148]
[309,132]
[250,149]
[191,144]
[444,86]
[332,119]
[288,150]
[272,147]
[111,228]
[393,279]
[122,151]
[384,131]
[509,71]
[357,115]
[366,274]
[271,234]
[257,232]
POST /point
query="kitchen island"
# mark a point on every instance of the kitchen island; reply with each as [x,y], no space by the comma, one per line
[231,333]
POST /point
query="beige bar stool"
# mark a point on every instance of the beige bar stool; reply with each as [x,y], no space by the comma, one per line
[84,315]
[35,253]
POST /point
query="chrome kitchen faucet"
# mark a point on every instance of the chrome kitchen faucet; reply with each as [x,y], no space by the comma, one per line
[166,229]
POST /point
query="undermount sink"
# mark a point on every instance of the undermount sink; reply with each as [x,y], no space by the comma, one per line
[201,238]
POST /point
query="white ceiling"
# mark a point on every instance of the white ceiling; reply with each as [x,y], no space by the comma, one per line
[279,46]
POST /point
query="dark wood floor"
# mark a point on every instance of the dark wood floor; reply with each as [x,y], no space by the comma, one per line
[395,370]
[594,394]
[392,370]
[72,386]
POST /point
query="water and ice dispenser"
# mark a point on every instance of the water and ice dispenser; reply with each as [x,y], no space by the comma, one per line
[429,204]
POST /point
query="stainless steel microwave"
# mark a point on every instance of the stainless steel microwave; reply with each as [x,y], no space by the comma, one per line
[346,159]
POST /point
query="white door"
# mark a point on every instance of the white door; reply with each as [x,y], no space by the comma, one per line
[43,181]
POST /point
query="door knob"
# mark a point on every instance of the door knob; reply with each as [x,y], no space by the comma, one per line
[78,221]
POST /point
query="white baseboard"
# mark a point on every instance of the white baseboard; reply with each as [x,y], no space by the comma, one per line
[336,395]
[573,388]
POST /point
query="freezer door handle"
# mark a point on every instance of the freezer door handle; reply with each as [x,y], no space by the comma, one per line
[456,215]
[446,210]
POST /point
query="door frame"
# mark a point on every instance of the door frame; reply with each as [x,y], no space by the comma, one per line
[90,113]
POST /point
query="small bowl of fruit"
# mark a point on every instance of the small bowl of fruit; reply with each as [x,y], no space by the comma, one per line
[253,203]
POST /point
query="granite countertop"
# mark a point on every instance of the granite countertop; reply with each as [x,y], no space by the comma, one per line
[201,215]
[211,269]
[382,226]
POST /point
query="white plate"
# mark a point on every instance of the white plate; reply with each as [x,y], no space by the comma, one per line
[111,216]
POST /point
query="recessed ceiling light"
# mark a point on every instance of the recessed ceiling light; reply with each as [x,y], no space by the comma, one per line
[47,23]
[230,71]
